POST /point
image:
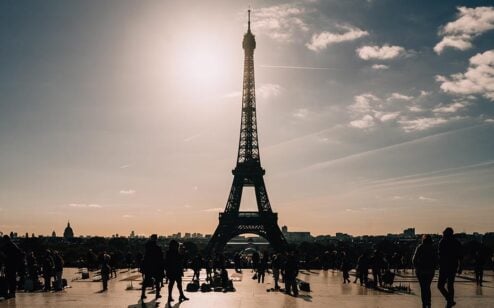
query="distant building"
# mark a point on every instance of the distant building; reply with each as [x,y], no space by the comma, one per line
[410,232]
[296,236]
[53,234]
[132,234]
[68,233]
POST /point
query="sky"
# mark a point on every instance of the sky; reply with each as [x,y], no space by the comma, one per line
[373,115]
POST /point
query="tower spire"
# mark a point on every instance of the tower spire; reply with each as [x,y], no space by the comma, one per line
[248,12]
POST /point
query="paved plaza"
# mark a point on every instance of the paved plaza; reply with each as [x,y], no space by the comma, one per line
[327,291]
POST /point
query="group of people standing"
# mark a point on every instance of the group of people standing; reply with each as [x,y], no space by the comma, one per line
[29,267]
[155,267]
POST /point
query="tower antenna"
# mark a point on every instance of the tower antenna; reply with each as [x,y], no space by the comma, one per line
[248,19]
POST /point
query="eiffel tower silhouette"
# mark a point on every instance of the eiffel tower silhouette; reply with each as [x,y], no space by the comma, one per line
[248,172]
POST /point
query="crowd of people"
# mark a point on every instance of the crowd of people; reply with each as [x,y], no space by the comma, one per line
[44,271]
[28,271]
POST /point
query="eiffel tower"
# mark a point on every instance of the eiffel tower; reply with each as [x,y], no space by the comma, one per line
[248,172]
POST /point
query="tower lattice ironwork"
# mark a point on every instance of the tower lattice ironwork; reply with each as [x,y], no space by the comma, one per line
[248,172]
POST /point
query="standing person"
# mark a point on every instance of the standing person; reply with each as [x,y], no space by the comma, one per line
[480,259]
[450,263]
[261,268]
[152,266]
[362,269]
[255,261]
[129,260]
[32,268]
[105,270]
[48,269]
[291,272]
[58,270]
[12,257]
[174,270]
[196,267]
[236,262]
[209,269]
[377,265]
[345,267]
[424,261]
[276,267]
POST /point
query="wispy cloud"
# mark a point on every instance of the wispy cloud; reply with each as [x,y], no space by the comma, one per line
[301,113]
[385,52]
[214,209]
[451,108]
[280,22]
[470,23]
[127,192]
[380,66]
[478,79]
[322,40]
[421,123]
[367,121]
[399,96]
[127,216]
[427,199]
[269,90]
[84,205]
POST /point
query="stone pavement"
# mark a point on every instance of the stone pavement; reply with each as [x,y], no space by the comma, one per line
[327,291]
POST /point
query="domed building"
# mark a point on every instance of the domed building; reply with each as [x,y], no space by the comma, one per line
[68,233]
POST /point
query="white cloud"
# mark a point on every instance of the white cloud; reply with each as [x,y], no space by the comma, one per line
[126,216]
[389,116]
[84,205]
[215,209]
[427,199]
[415,109]
[451,108]
[301,113]
[470,23]
[127,192]
[478,79]
[124,166]
[363,103]
[233,94]
[380,67]
[385,52]
[269,90]
[280,22]
[399,96]
[367,121]
[489,120]
[421,124]
[322,40]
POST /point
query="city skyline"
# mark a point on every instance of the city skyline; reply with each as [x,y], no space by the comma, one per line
[125,116]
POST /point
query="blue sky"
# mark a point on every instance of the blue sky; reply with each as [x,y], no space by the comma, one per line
[374,115]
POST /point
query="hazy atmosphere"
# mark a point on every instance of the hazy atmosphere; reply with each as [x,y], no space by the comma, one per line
[373,116]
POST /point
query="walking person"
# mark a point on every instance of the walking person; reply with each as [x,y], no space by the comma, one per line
[424,261]
[362,269]
[450,263]
[291,272]
[345,267]
[209,269]
[479,263]
[276,267]
[174,270]
[152,267]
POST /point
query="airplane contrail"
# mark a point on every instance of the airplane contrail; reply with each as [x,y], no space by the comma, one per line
[300,67]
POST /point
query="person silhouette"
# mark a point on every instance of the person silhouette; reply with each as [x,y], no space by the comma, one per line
[174,270]
[345,267]
[12,262]
[479,263]
[196,266]
[450,263]
[152,266]
[424,261]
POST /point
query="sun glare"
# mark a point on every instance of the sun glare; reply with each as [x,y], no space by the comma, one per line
[202,64]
